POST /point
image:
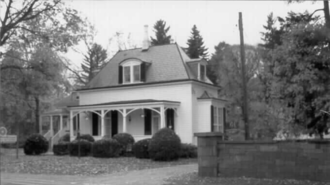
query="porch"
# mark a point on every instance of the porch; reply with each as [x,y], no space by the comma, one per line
[140,118]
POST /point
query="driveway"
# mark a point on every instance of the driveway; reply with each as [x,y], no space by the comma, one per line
[141,177]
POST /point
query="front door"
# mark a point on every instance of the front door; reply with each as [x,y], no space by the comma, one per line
[170,118]
[114,123]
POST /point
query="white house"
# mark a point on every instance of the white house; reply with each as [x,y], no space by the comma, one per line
[140,91]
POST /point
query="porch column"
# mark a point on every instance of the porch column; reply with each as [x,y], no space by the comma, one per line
[124,121]
[61,121]
[102,123]
[162,117]
[51,126]
[40,124]
[71,125]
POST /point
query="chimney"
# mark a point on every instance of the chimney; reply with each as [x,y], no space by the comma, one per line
[145,43]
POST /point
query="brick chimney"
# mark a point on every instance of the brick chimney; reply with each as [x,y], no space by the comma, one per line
[145,43]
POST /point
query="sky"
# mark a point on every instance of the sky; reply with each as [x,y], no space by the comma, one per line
[217,21]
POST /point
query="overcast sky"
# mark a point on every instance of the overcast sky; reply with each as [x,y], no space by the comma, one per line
[216,20]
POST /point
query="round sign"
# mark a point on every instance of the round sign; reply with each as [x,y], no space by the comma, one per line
[3,131]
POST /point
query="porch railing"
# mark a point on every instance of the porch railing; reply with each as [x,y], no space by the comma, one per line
[57,137]
[48,135]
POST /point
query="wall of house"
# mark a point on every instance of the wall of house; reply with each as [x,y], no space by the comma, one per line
[203,121]
[305,160]
[136,125]
[180,92]
[201,115]
[85,123]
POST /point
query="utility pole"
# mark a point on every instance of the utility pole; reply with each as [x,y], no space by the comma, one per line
[245,109]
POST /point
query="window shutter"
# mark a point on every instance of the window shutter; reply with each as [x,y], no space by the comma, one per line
[224,123]
[224,117]
[147,122]
[212,119]
[143,71]
[120,75]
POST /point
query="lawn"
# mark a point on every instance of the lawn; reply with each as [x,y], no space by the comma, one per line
[193,179]
[85,166]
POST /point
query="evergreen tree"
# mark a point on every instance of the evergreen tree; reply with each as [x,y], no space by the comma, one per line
[94,60]
[161,34]
[195,45]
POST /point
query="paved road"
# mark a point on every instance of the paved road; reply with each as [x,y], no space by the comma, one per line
[142,177]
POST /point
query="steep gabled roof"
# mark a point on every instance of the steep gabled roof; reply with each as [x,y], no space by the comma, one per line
[167,63]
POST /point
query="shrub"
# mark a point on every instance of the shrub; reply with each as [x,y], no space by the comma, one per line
[188,151]
[140,149]
[165,145]
[65,138]
[87,137]
[61,148]
[85,147]
[106,148]
[107,136]
[35,144]
[126,140]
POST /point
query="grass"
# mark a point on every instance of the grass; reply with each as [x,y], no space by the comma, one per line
[194,179]
[85,166]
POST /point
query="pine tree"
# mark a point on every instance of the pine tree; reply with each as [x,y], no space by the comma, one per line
[94,60]
[161,34]
[195,45]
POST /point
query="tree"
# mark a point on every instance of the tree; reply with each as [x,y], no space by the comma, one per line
[325,10]
[195,45]
[301,75]
[94,60]
[295,60]
[32,85]
[161,34]
[225,64]
[34,45]
[64,22]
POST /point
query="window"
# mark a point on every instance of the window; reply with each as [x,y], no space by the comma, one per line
[201,72]
[137,73]
[127,74]
[131,71]
[217,119]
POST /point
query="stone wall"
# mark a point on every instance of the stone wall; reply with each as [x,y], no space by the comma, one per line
[304,160]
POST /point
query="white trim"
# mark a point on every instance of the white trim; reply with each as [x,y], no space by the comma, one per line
[119,87]
[126,106]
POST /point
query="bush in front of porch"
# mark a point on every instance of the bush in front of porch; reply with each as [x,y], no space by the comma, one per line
[86,137]
[165,145]
[141,149]
[85,148]
[35,144]
[126,140]
[106,148]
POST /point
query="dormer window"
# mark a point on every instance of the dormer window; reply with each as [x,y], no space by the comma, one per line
[131,71]
[201,72]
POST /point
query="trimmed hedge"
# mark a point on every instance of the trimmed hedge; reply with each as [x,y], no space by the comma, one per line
[36,144]
[87,137]
[126,140]
[188,151]
[61,148]
[106,148]
[165,145]
[64,138]
[85,148]
[140,149]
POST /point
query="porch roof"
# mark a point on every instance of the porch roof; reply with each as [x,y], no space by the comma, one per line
[56,112]
[128,102]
